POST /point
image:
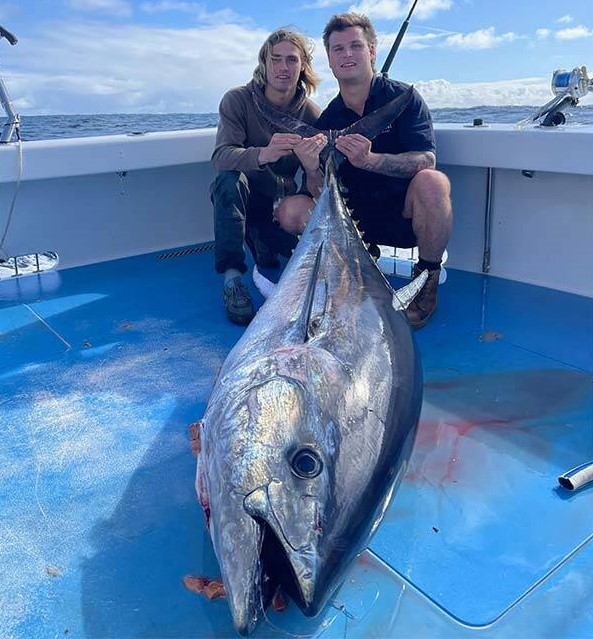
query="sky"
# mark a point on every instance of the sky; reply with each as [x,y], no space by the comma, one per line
[180,56]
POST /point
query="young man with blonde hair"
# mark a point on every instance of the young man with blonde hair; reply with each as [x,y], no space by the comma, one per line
[256,166]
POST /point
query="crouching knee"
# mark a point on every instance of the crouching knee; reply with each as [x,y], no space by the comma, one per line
[229,184]
[430,183]
[293,213]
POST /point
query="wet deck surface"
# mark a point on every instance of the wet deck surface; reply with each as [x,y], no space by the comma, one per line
[102,368]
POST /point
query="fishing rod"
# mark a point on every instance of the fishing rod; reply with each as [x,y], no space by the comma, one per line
[398,40]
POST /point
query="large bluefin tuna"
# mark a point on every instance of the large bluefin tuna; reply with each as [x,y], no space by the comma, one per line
[311,421]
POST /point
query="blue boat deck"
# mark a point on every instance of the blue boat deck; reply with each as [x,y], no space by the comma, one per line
[102,369]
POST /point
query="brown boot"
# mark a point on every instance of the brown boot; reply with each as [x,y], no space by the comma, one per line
[425,303]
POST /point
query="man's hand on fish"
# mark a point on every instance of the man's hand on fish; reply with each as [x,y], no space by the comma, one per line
[280,145]
[357,149]
[308,150]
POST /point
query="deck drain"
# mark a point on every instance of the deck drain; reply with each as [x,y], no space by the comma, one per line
[200,248]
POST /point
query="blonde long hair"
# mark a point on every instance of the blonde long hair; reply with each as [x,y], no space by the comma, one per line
[308,80]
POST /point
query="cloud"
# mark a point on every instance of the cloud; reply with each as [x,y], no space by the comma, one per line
[167,5]
[321,4]
[481,39]
[392,9]
[117,8]
[124,68]
[523,92]
[413,41]
[542,34]
[198,10]
[574,33]
[567,19]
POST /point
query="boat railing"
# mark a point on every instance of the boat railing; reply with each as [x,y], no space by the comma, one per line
[29,264]
[12,125]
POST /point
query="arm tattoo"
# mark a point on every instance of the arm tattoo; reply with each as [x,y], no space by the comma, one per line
[403,165]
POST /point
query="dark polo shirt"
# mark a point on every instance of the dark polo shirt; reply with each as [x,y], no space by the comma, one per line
[377,200]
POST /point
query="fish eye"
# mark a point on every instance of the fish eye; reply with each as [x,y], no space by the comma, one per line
[306,463]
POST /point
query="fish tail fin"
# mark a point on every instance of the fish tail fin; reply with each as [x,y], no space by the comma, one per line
[374,123]
[281,120]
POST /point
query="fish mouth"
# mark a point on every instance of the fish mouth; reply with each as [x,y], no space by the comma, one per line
[279,572]
[268,547]
[275,575]
[291,564]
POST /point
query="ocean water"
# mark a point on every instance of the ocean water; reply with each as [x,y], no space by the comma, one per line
[46,127]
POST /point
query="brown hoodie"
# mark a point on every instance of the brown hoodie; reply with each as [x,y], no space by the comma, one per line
[242,132]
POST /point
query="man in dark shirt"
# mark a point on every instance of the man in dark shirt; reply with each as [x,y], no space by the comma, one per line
[392,185]
[256,166]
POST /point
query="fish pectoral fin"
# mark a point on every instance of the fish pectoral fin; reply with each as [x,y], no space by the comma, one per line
[404,296]
[263,284]
[318,308]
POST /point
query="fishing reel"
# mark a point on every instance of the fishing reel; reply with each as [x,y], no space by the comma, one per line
[575,82]
[568,87]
